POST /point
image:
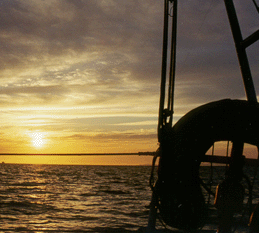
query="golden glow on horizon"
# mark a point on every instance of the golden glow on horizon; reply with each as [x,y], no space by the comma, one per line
[80,160]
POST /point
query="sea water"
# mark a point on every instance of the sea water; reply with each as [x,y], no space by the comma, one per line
[66,198]
[42,198]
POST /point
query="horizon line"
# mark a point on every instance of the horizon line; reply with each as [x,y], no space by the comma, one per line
[77,154]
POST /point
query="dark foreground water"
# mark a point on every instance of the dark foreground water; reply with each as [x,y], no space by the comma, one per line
[52,198]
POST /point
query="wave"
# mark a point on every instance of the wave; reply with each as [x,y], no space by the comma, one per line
[116,192]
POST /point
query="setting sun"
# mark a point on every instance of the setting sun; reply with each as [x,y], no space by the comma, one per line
[38,140]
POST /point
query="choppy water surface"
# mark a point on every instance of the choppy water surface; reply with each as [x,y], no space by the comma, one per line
[72,198]
[52,198]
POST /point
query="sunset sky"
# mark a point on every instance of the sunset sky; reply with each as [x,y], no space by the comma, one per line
[80,76]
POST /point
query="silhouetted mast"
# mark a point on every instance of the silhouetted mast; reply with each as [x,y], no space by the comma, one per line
[166,114]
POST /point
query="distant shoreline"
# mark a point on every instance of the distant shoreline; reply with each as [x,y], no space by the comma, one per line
[148,153]
[90,165]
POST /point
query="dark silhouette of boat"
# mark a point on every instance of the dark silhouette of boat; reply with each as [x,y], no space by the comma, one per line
[178,192]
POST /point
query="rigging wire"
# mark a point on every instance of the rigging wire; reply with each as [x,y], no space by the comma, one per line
[172,63]
[211,171]
[151,179]
[212,5]
[256,168]
[227,155]
[256,6]
[250,192]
